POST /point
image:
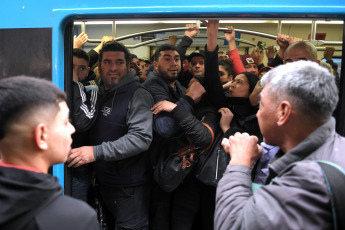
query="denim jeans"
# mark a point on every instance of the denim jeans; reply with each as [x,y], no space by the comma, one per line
[81,182]
[129,206]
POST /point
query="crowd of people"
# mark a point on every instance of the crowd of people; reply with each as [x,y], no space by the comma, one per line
[243,123]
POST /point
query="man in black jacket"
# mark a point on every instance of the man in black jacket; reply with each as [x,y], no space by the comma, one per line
[175,117]
[119,138]
[35,133]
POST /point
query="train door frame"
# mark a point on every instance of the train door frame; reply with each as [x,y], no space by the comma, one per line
[62,50]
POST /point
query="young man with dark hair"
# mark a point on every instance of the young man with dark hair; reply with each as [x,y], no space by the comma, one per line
[35,133]
[80,65]
[119,138]
[177,113]
[134,61]
[85,94]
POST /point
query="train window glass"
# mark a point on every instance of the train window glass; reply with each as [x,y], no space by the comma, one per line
[296,28]
[142,37]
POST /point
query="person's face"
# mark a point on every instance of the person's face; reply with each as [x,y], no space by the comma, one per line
[239,87]
[113,68]
[59,133]
[262,74]
[197,66]
[168,65]
[221,56]
[224,75]
[266,117]
[136,66]
[252,68]
[80,68]
[295,54]
[144,67]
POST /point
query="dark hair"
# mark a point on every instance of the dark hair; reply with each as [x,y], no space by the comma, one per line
[228,65]
[22,95]
[114,46]
[131,56]
[252,80]
[265,69]
[163,47]
[79,53]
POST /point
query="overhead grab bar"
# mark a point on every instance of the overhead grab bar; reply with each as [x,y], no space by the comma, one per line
[259,34]
[270,36]
[204,36]
[181,36]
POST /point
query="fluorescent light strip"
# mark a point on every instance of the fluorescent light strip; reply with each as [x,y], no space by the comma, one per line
[194,21]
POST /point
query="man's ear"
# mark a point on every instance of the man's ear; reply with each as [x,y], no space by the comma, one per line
[284,112]
[155,64]
[88,70]
[41,136]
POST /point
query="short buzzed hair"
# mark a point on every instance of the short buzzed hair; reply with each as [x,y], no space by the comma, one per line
[161,48]
[22,95]
[310,88]
[79,53]
[114,46]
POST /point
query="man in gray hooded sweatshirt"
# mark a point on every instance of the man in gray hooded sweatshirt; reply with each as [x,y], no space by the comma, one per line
[119,139]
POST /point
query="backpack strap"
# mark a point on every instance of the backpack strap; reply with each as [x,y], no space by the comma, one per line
[335,180]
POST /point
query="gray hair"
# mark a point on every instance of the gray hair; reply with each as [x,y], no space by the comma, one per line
[310,88]
[309,48]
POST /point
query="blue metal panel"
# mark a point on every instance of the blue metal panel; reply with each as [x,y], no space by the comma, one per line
[39,13]
[56,14]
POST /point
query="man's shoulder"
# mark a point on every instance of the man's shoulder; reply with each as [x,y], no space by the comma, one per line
[67,213]
[331,150]
[154,79]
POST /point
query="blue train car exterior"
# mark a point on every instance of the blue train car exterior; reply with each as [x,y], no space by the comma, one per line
[54,17]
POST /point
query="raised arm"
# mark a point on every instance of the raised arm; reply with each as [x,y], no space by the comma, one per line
[233,51]
[213,86]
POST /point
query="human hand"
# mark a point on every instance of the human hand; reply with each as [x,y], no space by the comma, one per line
[227,85]
[75,75]
[254,98]
[230,35]
[166,106]
[80,156]
[172,39]
[257,55]
[243,149]
[283,41]
[79,41]
[226,119]
[106,39]
[271,51]
[195,91]
[192,31]
[328,53]
[294,39]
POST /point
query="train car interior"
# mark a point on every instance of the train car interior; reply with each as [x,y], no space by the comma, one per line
[142,37]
